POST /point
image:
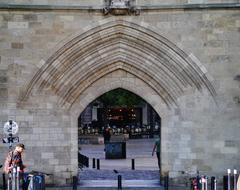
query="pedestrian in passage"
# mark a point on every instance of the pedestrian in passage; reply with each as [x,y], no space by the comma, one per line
[156,148]
[107,135]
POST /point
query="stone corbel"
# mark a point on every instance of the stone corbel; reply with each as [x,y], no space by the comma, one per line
[120,7]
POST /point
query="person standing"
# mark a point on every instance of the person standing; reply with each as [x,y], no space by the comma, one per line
[14,159]
[107,135]
[156,148]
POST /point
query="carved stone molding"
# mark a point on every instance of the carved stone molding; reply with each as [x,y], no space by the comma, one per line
[120,7]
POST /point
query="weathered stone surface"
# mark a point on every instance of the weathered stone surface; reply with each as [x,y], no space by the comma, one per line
[63,60]
[16,45]
[30,17]
[3,93]
[17,25]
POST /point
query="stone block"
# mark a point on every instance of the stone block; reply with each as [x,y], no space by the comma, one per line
[30,17]
[53,161]
[47,155]
[17,45]
[195,1]
[35,24]
[3,93]
[229,150]
[67,18]
[18,25]
[230,143]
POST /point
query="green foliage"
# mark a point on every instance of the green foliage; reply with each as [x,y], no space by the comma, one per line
[121,98]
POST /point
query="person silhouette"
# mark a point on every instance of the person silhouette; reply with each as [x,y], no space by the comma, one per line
[156,148]
[106,134]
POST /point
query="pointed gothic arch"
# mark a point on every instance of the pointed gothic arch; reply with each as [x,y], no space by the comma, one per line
[115,45]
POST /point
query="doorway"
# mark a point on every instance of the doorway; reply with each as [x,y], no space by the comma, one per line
[136,124]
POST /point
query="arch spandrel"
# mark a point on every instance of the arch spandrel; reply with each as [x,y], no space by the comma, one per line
[114,45]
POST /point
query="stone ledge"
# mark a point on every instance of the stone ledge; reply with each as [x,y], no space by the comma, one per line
[100,8]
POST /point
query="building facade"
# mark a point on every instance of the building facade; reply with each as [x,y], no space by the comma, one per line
[181,56]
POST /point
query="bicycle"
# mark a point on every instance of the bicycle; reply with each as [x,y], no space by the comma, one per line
[191,179]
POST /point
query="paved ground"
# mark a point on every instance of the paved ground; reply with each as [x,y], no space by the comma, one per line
[123,188]
[138,149]
[144,177]
[111,188]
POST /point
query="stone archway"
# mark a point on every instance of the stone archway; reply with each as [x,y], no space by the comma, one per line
[118,54]
[114,45]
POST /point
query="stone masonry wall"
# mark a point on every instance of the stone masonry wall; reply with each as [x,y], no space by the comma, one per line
[101,2]
[201,132]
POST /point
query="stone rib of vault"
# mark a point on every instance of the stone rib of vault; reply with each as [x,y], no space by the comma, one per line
[119,45]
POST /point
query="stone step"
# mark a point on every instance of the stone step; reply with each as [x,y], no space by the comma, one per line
[93,174]
[125,183]
[111,188]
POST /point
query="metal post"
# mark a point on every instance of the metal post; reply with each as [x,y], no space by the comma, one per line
[202,182]
[198,180]
[213,183]
[93,163]
[119,182]
[229,179]
[166,182]
[4,181]
[9,180]
[133,164]
[98,164]
[14,179]
[17,178]
[74,185]
[225,182]
[206,182]
[235,179]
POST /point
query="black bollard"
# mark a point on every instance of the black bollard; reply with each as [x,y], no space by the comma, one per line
[229,179]
[213,183]
[74,184]
[4,182]
[133,164]
[198,180]
[119,182]
[166,182]
[98,164]
[225,182]
[93,163]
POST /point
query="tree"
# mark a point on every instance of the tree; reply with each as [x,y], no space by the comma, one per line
[120,98]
